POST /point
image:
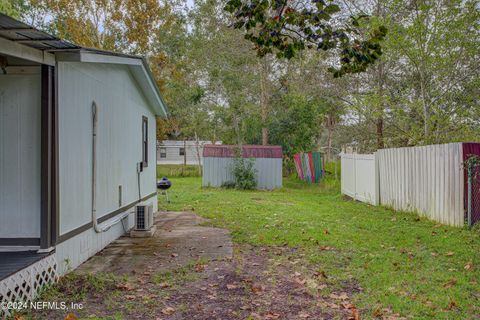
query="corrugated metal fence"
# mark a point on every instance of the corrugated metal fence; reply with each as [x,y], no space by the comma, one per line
[428,180]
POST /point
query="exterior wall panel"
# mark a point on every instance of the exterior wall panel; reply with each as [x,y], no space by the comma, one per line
[121,106]
[76,250]
[20,155]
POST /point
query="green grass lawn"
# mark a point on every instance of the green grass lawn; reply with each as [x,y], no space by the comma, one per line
[404,263]
[173,170]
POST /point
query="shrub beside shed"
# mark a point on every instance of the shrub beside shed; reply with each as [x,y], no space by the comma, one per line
[219,161]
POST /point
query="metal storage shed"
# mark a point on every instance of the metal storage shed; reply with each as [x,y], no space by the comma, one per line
[218,162]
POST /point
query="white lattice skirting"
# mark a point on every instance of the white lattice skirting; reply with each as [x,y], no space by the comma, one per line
[25,285]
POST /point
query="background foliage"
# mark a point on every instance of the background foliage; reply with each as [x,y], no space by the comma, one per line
[423,89]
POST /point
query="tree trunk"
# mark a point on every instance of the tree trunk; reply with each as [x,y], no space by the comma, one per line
[426,109]
[380,141]
[380,91]
[264,101]
[330,124]
[199,159]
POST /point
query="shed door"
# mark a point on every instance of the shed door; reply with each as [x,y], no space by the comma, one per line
[20,152]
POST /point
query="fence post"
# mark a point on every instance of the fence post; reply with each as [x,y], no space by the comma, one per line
[377,178]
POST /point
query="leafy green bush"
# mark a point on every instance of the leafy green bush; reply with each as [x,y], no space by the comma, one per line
[244,174]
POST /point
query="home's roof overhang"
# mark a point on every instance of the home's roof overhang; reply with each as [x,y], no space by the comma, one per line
[21,40]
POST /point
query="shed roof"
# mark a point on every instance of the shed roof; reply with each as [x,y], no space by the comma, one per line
[27,35]
[248,151]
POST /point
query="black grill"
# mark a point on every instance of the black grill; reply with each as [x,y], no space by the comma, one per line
[164,184]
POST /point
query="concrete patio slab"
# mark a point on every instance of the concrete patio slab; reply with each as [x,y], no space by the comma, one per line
[179,239]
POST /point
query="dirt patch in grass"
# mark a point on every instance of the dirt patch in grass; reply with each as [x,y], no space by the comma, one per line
[258,283]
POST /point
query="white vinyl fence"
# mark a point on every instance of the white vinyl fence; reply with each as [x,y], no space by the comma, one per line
[428,180]
[360,177]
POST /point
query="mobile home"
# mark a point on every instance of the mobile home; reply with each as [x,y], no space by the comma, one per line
[77,153]
[181,151]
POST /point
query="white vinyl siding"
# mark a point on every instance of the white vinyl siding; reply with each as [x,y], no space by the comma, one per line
[121,106]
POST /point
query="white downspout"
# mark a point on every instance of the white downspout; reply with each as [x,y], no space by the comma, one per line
[94,168]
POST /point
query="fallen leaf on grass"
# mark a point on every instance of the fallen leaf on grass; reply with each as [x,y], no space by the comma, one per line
[325,248]
[469,266]
[168,311]
[355,315]
[333,305]
[257,289]
[450,283]
[378,313]
[200,267]
[434,254]
[341,296]
[69,316]
[271,315]
[326,231]
[320,274]
[164,285]
[449,253]
[452,305]
[126,286]
[130,297]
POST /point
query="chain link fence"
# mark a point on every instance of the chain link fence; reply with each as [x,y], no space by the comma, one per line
[473,190]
